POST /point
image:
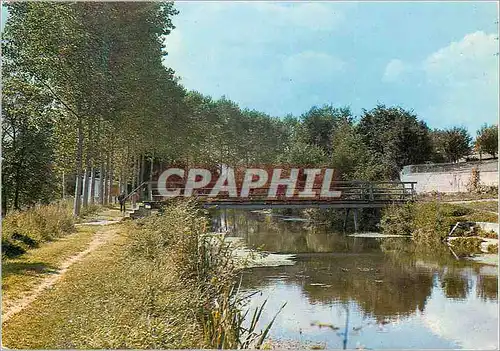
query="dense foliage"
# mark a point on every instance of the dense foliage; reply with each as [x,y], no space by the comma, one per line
[202,269]
[487,140]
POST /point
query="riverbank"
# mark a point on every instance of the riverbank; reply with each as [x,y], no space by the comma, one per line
[468,228]
[153,283]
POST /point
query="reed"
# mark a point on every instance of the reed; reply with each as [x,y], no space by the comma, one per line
[201,265]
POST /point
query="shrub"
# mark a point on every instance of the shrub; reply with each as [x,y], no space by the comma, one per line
[90,210]
[493,249]
[485,234]
[466,246]
[428,222]
[398,220]
[11,249]
[23,230]
[482,217]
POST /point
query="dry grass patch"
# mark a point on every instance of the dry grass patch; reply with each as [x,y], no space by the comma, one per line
[24,230]
[21,274]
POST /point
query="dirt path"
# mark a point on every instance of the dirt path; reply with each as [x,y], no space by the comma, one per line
[101,237]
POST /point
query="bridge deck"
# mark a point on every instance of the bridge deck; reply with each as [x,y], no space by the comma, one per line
[257,205]
[354,194]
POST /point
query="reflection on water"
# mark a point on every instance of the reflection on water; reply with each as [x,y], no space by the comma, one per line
[354,292]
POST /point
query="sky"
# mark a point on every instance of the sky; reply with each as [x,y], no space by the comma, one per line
[435,58]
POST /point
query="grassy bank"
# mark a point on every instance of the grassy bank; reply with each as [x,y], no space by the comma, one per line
[483,193]
[156,283]
[487,206]
[430,222]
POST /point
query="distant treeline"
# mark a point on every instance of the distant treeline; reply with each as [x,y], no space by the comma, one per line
[85,93]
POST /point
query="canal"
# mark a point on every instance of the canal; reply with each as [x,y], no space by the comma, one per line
[365,293]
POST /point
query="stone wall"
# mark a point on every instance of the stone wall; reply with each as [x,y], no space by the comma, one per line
[449,177]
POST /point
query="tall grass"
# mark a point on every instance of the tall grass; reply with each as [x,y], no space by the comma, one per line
[90,210]
[22,230]
[201,266]
[429,222]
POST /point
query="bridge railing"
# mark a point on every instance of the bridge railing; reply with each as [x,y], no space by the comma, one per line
[380,191]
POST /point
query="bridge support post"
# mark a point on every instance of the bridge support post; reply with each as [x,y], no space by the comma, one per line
[355,213]
[225,219]
[219,222]
[345,218]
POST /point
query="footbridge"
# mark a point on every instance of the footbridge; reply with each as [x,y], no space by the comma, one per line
[352,195]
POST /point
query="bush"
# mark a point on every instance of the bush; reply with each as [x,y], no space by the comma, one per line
[466,246]
[398,220]
[90,210]
[485,234]
[433,221]
[23,230]
[493,249]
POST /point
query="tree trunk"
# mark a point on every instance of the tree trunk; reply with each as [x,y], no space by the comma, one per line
[150,185]
[78,184]
[16,192]
[92,184]
[141,177]
[138,171]
[125,171]
[101,182]
[19,183]
[63,186]
[86,182]
[110,186]
[106,187]
[4,203]
[88,159]
[120,181]
[134,173]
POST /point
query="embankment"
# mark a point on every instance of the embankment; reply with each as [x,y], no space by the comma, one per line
[154,283]
[465,228]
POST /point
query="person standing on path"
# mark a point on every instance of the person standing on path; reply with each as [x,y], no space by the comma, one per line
[121,199]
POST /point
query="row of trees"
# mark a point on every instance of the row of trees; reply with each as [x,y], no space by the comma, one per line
[86,97]
[80,83]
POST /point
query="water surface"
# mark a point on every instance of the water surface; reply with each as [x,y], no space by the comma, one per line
[352,293]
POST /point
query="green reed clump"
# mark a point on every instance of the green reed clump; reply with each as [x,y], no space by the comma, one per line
[22,230]
[90,210]
[398,220]
[485,234]
[185,261]
[428,222]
